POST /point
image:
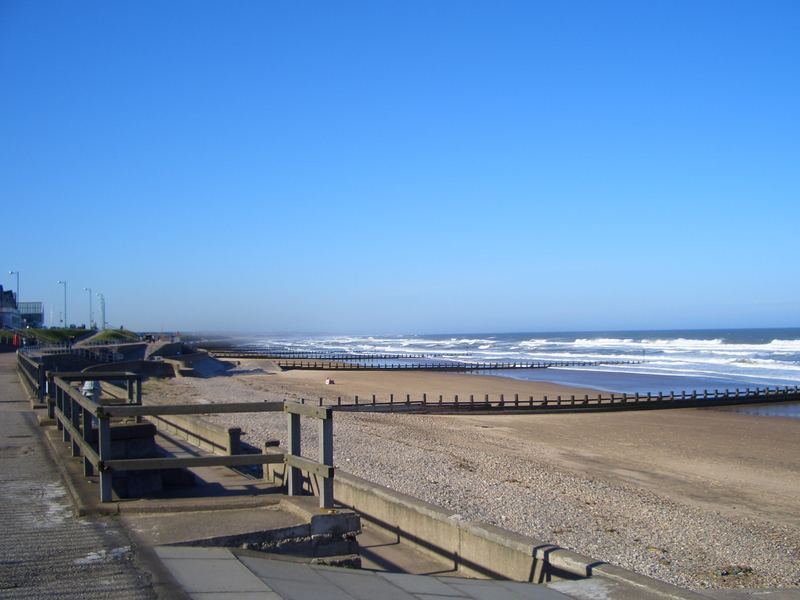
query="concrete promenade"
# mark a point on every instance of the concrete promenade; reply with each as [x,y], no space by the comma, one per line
[172,547]
[46,551]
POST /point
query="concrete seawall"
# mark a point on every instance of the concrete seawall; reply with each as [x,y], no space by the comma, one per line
[475,549]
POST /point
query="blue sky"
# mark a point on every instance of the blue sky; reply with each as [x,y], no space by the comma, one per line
[380,167]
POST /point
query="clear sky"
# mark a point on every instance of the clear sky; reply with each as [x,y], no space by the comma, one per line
[402,167]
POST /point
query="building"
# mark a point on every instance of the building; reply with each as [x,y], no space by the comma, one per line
[32,314]
[10,316]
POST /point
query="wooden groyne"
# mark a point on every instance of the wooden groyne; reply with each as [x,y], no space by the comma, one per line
[456,366]
[260,354]
[487,404]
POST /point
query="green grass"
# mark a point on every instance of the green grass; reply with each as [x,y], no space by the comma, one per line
[56,335]
[115,335]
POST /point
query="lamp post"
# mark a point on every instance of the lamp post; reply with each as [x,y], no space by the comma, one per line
[64,283]
[91,313]
[17,274]
[102,310]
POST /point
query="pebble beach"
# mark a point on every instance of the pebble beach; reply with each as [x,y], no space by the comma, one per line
[647,490]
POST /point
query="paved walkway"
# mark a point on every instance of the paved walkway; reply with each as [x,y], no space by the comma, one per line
[219,573]
[45,551]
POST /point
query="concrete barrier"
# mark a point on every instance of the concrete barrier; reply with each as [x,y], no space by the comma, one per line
[223,441]
[476,549]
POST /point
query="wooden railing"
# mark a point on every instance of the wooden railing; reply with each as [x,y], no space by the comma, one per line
[34,375]
[74,414]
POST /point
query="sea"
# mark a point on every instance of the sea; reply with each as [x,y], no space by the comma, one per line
[671,360]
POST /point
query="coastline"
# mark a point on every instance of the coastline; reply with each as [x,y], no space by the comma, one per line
[680,495]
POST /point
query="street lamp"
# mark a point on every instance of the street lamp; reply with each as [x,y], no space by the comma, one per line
[17,274]
[91,313]
[64,283]
[102,309]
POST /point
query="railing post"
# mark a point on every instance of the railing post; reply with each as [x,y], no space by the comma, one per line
[51,398]
[104,450]
[294,480]
[41,379]
[86,431]
[326,458]
[66,409]
[59,406]
[75,419]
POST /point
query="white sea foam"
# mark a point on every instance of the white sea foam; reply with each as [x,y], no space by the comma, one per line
[712,357]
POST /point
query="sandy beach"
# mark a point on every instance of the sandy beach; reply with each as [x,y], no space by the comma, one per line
[689,496]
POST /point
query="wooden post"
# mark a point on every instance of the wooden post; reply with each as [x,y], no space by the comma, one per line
[59,396]
[373,399]
[516,399]
[294,480]
[104,451]
[40,382]
[75,419]
[424,399]
[86,430]
[326,458]
[51,398]
[66,408]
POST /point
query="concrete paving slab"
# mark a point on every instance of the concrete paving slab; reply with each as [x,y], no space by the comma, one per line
[497,590]
[268,570]
[416,584]
[365,588]
[299,590]
[763,594]
[530,591]
[214,575]
[236,596]
[598,588]
[479,590]
[437,597]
